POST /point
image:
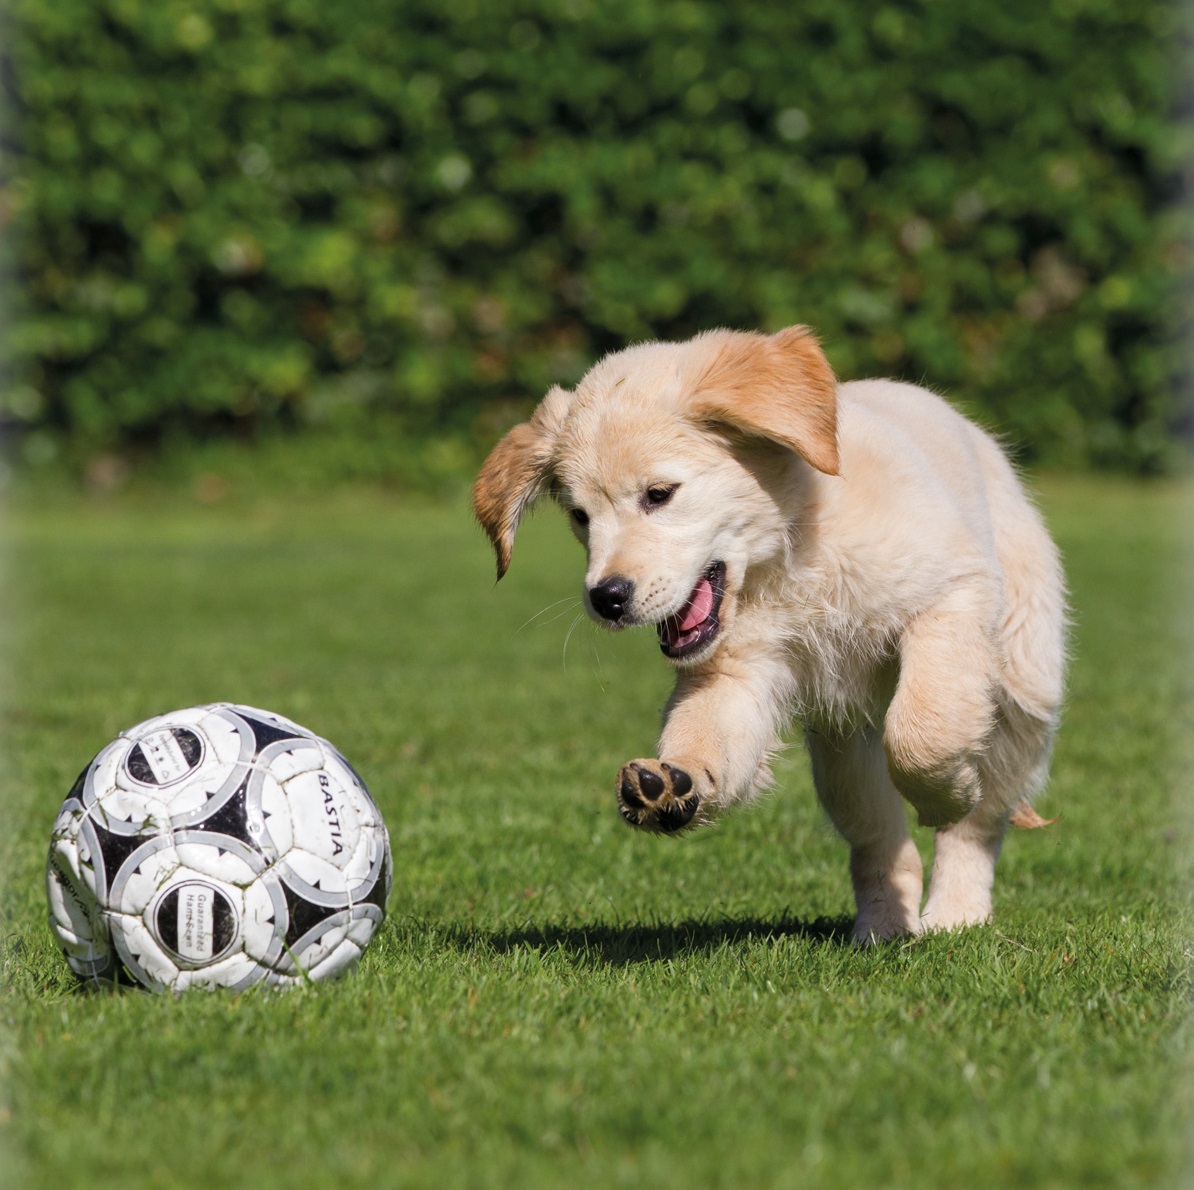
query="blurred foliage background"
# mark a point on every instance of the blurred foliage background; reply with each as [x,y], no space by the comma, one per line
[384,228]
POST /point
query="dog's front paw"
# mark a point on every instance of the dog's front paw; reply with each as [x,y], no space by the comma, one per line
[656,796]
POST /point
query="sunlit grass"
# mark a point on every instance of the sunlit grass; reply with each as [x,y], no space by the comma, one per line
[553,999]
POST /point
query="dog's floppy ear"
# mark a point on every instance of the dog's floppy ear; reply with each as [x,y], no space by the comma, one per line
[516,473]
[780,386]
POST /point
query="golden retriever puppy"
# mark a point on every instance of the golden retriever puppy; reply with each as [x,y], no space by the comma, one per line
[859,557]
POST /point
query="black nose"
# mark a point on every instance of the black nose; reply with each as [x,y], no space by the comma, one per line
[609,599]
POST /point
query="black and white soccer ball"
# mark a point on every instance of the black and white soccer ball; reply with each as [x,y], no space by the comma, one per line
[217,846]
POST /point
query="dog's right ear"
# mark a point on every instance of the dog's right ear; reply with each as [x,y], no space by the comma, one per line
[779,386]
[517,472]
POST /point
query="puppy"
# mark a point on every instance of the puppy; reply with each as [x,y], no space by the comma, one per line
[859,557]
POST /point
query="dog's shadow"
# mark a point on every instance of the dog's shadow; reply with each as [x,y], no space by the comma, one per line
[624,945]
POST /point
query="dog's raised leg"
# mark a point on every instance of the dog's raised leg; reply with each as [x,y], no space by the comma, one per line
[855,789]
[938,729]
[943,710]
[721,727]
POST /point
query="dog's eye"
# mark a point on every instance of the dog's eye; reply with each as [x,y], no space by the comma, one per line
[658,494]
[580,516]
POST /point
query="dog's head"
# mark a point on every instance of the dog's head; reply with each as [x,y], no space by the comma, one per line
[679,466]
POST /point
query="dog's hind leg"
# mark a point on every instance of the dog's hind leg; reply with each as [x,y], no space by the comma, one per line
[854,787]
[1012,769]
[964,857]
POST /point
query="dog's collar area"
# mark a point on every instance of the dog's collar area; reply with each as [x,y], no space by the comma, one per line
[696,624]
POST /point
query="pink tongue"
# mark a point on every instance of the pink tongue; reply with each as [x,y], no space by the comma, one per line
[700,605]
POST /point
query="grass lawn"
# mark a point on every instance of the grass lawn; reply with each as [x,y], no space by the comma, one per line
[555,1000]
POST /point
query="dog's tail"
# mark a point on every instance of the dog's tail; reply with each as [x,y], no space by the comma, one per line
[1027,819]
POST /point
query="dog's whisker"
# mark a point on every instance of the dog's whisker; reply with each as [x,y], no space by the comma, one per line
[568,636]
[597,662]
[568,603]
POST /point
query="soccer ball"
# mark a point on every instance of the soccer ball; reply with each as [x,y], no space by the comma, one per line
[217,846]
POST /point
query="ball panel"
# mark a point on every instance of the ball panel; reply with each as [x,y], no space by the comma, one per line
[325,822]
[74,909]
[140,953]
[223,857]
[365,920]
[164,757]
[267,815]
[266,920]
[330,946]
[270,724]
[196,921]
[341,958]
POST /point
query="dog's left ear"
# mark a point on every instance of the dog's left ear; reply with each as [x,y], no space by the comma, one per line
[516,473]
[779,386]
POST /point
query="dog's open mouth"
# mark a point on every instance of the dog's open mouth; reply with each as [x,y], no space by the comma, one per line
[697,622]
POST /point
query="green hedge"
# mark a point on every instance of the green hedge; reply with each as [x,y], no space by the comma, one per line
[410,217]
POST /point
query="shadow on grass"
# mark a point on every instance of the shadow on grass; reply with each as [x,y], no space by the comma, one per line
[640,943]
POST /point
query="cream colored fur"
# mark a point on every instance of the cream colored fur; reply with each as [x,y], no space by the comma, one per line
[886,582]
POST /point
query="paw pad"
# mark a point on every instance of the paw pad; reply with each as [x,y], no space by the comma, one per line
[656,796]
